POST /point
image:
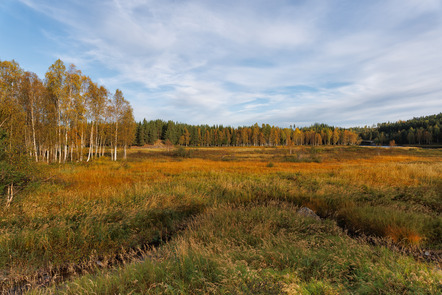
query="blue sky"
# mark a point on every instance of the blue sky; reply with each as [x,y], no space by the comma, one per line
[344,63]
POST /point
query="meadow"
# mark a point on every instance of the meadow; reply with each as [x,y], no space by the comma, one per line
[224,221]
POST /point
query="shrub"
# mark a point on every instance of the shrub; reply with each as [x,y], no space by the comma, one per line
[181,152]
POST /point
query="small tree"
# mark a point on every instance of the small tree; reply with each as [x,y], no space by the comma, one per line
[181,141]
[168,144]
[186,136]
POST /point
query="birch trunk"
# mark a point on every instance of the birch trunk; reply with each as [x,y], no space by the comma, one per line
[81,143]
[10,195]
[59,135]
[72,152]
[65,146]
[91,143]
[33,134]
[96,141]
[116,140]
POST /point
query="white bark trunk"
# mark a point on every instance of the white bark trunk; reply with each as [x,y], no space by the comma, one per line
[33,134]
[96,140]
[116,140]
[81,144]
[59,134]
[91,143]
[10,195]
[65,146]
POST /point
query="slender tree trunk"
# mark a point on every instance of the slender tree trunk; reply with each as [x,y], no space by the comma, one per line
[10,195]
[81,143]
[72,151]
[96,140]
[116,140]
[59,135]
[28,141]
[97,145]
[125,152]
[65,146]
[33,134]
[91,143]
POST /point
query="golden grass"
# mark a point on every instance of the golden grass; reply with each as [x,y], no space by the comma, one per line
[402,234]
[104,205]
[107,180]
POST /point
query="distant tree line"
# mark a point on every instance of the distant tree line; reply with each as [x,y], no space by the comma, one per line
[420,131]
[149,132]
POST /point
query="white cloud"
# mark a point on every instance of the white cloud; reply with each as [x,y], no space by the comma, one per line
[383,56]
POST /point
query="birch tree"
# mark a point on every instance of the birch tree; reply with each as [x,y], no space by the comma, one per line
[55,79]
[128,126]
[73,109]
[32,94]
[117,110]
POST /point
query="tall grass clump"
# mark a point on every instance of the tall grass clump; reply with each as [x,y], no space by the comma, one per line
[263,249]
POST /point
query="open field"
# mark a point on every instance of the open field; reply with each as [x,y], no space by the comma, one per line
[223,220]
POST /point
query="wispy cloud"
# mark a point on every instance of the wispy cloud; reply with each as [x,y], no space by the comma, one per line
[240,62]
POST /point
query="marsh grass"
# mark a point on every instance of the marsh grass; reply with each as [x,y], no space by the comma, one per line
[262,249]
[103,208]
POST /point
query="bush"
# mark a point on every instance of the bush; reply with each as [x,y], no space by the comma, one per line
[182,153]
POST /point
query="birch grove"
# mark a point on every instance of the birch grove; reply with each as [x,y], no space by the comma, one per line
[64,118]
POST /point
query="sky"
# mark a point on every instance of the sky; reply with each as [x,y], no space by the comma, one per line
[281,62]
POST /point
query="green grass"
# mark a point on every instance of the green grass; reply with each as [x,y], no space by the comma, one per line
[263,249]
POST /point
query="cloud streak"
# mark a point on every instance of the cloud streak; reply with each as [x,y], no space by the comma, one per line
[239,62]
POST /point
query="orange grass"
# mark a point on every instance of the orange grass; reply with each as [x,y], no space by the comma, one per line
[403,235]
[109,179]
[392,194]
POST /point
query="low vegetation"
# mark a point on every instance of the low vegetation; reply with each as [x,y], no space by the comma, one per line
[263,249]
[223,220]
